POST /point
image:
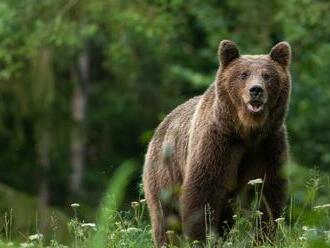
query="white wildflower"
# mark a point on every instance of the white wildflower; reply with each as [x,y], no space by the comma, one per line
[142,201]
[279,220]
[135,204]
[131,230]
[37,236]
[235,216]
[255,181]
[89,225]
[302,238]
[307,229]
[259,213]
[75,205]
[26,245]
[322,206]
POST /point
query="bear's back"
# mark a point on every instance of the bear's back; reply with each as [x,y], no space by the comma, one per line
[171,137]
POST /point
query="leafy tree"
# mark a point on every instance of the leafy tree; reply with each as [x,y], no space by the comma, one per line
[83,84]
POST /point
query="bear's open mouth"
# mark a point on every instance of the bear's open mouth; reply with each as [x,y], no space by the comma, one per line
[255,106]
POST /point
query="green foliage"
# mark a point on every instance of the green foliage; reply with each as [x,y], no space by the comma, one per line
[146,57]
[305,223]
[113,199]
[19,218]
[308,32]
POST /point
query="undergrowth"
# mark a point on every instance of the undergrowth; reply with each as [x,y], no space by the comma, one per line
[305,222]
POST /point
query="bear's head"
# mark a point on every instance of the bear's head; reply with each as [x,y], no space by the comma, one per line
[258,86]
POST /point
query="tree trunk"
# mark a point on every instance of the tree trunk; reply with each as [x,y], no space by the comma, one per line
[43,147]
[42,92]
[81,81]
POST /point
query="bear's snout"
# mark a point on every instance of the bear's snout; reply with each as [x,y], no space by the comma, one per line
[256,98]
[256,92]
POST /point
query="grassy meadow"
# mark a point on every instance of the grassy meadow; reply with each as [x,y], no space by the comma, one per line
[305,222]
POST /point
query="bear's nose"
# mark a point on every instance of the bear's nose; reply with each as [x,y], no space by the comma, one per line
[256,91]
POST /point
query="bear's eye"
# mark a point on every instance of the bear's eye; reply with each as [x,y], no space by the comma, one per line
[244,75]
[265,76]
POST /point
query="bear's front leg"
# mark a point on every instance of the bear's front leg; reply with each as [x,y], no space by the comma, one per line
[202,204]
[210,178]
[273,202]
[275,186]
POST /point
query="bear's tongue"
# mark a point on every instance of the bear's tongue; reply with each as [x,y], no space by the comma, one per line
[255,107]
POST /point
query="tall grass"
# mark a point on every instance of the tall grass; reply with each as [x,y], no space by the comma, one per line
[305,223]
[112,200]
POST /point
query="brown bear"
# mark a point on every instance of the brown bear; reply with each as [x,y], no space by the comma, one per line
[213,144]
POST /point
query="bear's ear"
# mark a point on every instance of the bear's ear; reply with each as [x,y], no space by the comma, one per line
[281,53]
[228,51]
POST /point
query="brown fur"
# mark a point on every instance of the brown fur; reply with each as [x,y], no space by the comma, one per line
[211,145]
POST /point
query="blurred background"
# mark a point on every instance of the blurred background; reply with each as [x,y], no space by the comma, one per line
[84,83]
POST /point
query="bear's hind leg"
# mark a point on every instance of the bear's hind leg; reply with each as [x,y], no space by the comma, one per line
[157,222]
